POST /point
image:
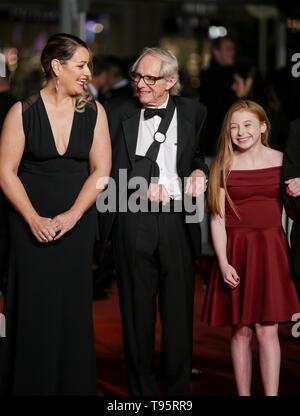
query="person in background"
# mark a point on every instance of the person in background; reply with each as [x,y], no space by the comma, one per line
[291,192]
[119,86]
[98,86]
[249,84]
[215,90]
[251,287]
[103,266]
[287,88]
[7,100]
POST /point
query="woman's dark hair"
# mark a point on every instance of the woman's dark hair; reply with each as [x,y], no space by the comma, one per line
[261,91]
[62,46]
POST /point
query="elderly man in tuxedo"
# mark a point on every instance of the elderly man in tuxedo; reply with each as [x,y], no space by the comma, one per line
[155,252]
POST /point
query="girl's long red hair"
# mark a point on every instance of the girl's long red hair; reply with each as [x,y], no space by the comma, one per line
[222,163]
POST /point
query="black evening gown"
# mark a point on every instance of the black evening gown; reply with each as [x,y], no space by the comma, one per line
[49,344]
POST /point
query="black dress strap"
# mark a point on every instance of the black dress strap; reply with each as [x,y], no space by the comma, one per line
[29,101]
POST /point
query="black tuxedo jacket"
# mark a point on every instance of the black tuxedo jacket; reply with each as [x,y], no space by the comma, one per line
[124,118]
[291,169]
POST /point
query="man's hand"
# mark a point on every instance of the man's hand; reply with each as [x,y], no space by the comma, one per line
[293,187]
[196,183]
[158,193]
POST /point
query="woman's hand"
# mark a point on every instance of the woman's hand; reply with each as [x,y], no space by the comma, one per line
[42,228]
[230,276]
[64,222]
[293,187]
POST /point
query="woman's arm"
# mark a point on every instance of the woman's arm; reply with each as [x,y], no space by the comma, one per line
[12,145]
[219,238]
[100,166]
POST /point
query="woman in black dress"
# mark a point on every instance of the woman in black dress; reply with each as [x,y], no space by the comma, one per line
[54,148]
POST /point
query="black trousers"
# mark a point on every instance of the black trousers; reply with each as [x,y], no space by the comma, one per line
[154,260]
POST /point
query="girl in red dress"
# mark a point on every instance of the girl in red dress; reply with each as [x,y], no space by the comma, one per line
[250,287]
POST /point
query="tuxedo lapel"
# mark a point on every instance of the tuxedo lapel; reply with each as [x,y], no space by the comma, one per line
[131,122]
[184,129]
[131,128]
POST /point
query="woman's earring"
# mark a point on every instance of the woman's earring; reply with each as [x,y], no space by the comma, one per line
[57,84]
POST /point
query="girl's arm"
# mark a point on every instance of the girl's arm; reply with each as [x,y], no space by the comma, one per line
[219,238]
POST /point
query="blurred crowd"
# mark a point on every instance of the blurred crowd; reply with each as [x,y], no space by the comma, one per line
[230,75]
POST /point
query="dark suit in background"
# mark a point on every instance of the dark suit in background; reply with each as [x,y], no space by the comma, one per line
[217,95]
[124,92]
[290,170]
[6,102]
[155,253]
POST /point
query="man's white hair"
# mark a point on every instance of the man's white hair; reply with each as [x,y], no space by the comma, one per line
[169,65]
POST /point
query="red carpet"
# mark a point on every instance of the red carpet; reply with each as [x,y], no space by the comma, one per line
[211,354]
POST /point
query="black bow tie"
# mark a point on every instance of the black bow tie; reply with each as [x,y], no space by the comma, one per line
[151,112]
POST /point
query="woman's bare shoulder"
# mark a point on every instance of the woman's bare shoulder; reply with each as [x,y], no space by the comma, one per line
[274,156]
[14,116]
[16,109]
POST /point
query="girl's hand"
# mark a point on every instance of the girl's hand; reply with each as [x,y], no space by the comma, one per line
[230,276]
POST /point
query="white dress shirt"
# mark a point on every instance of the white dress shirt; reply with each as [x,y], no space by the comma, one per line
[167,155]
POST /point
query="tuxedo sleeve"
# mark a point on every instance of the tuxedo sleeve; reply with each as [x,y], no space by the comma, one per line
[198,160]
[291,166]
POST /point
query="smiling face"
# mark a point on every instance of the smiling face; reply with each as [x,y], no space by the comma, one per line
[152,95]
[246,130]
[74,73]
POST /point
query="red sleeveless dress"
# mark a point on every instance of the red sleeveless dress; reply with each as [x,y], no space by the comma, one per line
[257,248]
